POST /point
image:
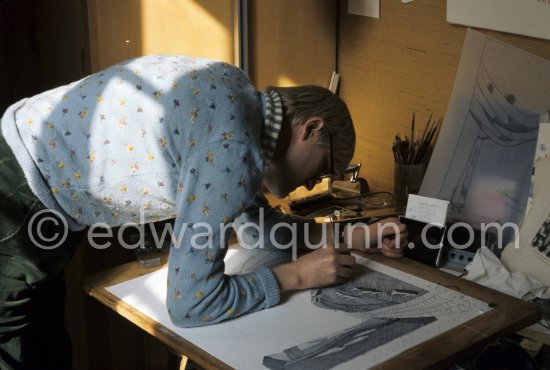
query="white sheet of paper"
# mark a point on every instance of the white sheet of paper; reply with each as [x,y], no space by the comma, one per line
[296,320]
[426,209]
[542,150]
[524,17]
[487,270]
[367,8]
[528,258]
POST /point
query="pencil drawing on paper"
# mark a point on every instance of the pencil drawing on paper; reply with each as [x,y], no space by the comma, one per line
[380,313]
[389,308]
[339,347]
[370,291]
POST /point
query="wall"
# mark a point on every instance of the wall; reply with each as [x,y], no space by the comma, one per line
[39,52]
[403,62]
[292,42]
[187,27]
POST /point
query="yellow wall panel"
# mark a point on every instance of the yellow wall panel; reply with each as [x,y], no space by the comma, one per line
[122,29]
[292,42]
[188,27]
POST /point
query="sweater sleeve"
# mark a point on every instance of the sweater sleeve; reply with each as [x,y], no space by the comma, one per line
[262,226]
[216,184]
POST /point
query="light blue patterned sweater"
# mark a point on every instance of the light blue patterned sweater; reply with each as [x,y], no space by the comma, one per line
[154,138]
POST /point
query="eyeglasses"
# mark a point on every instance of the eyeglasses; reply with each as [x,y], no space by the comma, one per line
[331,173]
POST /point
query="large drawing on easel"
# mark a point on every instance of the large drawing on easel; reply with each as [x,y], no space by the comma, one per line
[494,127]
[379,314]
[484,154]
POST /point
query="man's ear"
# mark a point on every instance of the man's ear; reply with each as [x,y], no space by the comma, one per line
[312,127]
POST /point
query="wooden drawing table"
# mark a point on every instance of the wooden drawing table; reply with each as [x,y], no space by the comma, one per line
[508,315]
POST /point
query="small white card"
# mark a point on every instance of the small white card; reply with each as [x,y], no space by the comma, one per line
[428,210]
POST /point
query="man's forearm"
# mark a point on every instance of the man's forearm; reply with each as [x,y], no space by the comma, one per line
[288,276]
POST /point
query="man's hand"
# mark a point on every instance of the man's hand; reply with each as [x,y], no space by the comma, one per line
[325,266]
[390,231]
[392,243]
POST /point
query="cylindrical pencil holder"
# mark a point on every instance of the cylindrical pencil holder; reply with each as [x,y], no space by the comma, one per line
[407,180]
